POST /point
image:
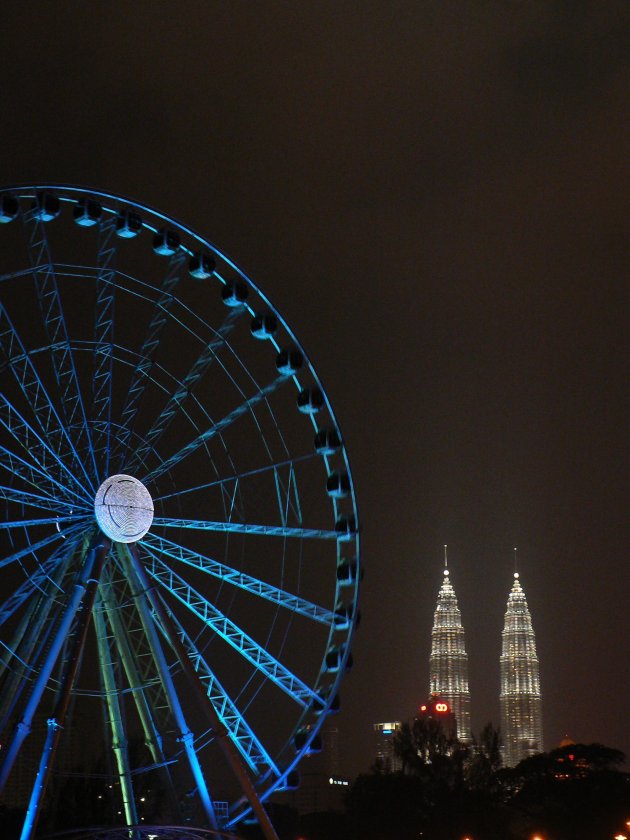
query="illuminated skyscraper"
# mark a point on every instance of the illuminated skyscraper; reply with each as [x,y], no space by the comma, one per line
[521,702]
[386,757]
[448,663]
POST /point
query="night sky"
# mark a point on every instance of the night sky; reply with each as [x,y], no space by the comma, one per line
[433,196]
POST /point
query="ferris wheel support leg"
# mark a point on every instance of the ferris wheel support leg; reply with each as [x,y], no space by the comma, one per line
[56,722]
[25,639]
[120,642]
[23,726]
[185,735]
[115,719]
[223,736]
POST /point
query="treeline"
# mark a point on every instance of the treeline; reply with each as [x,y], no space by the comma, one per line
[448,791]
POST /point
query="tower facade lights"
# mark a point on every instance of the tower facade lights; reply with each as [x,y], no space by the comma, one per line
[521,701]
[448,663]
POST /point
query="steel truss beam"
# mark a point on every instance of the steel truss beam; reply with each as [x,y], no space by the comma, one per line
[229,749]
[278,673]
[294,603]
[22,497]
[246,528]
[32,634]
[70,670]
[54,429]
[33,548]
[51,308]
[108,665]
[39,452]
[143,602]
[148,694]
[196,372]
[104,341]
[235,477]
[242,735]
[36,477]
[214,430]
[36,580]
[147,352]
[23,727]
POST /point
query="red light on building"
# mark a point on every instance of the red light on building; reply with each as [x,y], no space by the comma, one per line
[423,708]
[441,707]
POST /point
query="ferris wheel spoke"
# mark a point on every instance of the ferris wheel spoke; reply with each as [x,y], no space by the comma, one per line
[31,385]
[33,548]
[50,520]
[23,497]
[35,476]
[185,387]
[294,603]
[241,733]
[25,272]
[235,477]
[214,430]
[53,318]
[268,665]
[140,376]
[104,342]
[46,459]
[247,528]
[35,581]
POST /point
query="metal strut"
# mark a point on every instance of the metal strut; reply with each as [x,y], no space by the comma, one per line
[23,727]
[223,737]
[57,720]
[143,604]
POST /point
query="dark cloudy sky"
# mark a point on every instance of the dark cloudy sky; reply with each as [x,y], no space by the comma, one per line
[434,195]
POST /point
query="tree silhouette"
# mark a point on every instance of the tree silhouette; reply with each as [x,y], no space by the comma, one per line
[485,759]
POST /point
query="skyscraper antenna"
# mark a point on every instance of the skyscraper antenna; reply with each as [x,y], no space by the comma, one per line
[515,564]
[445,558]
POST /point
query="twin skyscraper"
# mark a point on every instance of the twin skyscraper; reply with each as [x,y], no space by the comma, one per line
[521,702]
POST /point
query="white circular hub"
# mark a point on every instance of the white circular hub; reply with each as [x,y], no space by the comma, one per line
[123,508]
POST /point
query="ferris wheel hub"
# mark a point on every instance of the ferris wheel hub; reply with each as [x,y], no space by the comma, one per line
[124,508]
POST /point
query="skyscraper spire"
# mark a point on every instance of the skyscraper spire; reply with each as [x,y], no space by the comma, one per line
[521,702]
[448,662]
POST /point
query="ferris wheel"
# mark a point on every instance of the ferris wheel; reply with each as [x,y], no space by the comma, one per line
[179,564]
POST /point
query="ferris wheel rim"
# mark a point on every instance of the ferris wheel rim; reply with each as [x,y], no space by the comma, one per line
[66,192]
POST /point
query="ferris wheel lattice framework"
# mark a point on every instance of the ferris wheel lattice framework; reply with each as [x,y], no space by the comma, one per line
[179,529]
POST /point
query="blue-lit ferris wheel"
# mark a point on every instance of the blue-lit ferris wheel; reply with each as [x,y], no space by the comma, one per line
[179,558]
